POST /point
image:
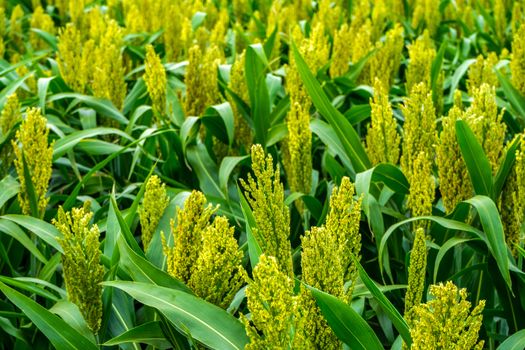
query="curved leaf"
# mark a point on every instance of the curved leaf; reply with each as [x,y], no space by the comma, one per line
[346,323]
[206,322]
[514,342]
[342,127]
[477,163]
[58,331]
[148,333]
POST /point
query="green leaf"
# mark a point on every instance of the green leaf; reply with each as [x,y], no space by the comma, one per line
[12,229]
[59,332]
[67,143]
[124,228]
[219,121]
[514,342]
[42,86]
[47,232]
[70,313]
[458,75]
[495,237]
[102,106]
[516,99]
[206,322]
[345,132]
[477,163]
[255,72]
[391,176]
[444,222]
[346,323]
[9,188]
[449,244]
[505,166]
[328,136]
[142,270]
[228,164]
[148,333]
[397,320]
[71,199]
[33,199]
[254,249]
[205,169]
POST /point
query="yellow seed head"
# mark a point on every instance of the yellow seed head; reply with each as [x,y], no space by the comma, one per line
[40,20]
[32,145]
[322,261]
[156,82]
[275,311]
[487,124]
[517,16]
[9,117]
[108,77]
[243,131]
[218,273]
[446,321]
[299,143]
[15,33]
[512,204]
[426,14]
[219,30]
[362,42]
[201,80]
[318,333]
[73,59]
[329,14]
[153,207]
[500,20]
[482,71]
[422,190]
[76,11]
[421,55]
[379,17]
[384,64]
[416,273]
[517,62]
[81,265]
[454,181]
[265,194]
[382,139]
[419,130]
[2,31]
[343,222]
[187,234]
[341,51]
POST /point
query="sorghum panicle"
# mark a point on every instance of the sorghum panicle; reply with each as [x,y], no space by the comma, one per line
[419,130]
[153,206]
[265,194]
[187,231]
[218,273]
[416,273]
[512,203]
[276,322]
[81,265]
[32,146]
[156,82]
[454,180]
[9,117]
[446,321]
[382,138]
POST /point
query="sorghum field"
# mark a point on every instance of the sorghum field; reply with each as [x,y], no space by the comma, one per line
[258,174]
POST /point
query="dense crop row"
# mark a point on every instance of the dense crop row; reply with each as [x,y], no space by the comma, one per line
[262,174]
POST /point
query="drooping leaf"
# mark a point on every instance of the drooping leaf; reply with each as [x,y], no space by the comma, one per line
[58,331]
[346,323]
[206,322]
